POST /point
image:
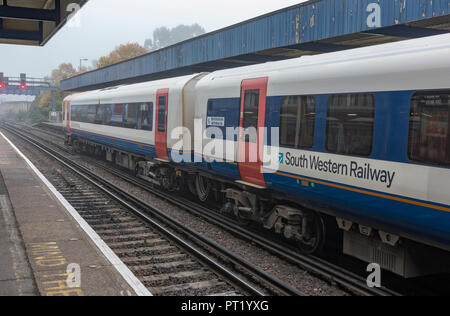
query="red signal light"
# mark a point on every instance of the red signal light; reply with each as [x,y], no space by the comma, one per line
[2,86]
[23,86]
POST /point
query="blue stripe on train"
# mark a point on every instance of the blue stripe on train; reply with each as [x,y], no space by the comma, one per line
[117,143]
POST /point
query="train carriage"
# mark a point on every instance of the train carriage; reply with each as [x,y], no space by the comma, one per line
[135,119]
[359,136]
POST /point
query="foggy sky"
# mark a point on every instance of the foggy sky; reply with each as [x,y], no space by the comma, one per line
[106,24]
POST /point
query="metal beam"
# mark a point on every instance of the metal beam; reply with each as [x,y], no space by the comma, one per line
[406,31]
[58,11]
[11,91]
[28,13]
[320,47]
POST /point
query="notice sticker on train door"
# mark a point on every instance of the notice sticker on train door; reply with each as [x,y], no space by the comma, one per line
[215,121]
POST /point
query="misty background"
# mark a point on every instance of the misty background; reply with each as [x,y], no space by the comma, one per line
[105,24]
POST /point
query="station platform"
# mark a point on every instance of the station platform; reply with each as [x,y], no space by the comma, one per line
[44,249]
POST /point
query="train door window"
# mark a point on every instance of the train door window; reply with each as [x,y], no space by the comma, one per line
[350,124]
[297,121]
[99,114]
[144,121]
[251,106]
[108,110]
[130,115]
[162,114]
[429,138]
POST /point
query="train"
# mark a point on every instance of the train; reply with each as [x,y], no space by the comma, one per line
[355,140]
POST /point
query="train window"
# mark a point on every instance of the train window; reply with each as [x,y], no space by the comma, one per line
[73,113]
[350,124]
[77,110]
[297,121]
[145,116]
[108,110]
[99,114]
[117,115]
[162,114]
[91,114]
[429,138]
[83,109]
[251,107]
[130,115]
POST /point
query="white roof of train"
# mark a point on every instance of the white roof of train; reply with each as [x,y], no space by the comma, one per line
[139,92]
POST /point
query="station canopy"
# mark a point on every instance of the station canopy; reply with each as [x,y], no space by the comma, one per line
[34,22]
[313,27]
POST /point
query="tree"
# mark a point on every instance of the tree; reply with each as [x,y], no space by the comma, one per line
[121,53]
[44,101]
[63,71]
[163,36]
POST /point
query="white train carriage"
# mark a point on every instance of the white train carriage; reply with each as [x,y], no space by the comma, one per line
[363,136]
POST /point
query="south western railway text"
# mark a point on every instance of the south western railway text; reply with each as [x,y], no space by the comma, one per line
[363,171]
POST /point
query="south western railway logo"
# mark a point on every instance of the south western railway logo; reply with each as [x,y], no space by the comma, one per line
[354,169]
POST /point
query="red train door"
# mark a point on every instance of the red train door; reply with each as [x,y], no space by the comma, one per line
[162,105]
[253,116]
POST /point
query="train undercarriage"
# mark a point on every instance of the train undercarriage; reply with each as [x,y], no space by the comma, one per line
[303,226]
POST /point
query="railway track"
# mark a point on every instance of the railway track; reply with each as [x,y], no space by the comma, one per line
[168,257]
[322,268]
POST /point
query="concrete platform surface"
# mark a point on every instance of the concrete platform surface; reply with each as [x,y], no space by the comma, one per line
[43,249]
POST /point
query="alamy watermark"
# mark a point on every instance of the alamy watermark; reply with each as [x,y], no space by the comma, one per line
[374,18]
[374,278]
[73,276]
[74,17]
[227,144]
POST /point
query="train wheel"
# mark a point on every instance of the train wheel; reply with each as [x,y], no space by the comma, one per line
[316,236]
[203,187]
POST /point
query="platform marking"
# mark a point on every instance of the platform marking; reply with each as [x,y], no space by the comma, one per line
[123,270]
[48,254]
